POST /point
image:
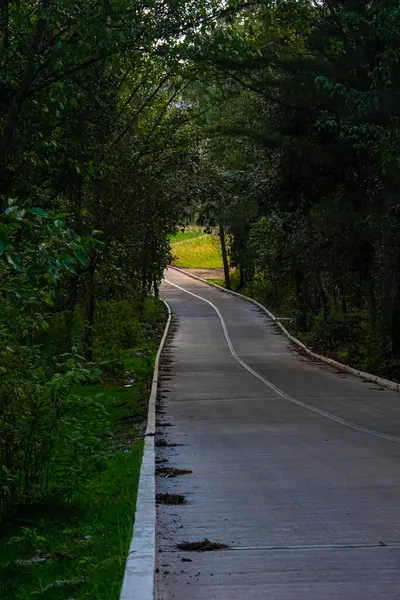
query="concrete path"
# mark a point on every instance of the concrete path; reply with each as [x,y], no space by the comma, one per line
[308,502]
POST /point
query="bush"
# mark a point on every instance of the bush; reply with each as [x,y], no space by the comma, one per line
[66,331]
[336,330]
[117,327]
[38,426]
[48,432]
[123,324]
[280,302]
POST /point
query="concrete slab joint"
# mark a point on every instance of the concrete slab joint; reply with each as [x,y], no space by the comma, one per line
[333,363]
[138,583]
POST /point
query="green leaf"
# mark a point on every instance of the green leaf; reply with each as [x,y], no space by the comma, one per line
[68,262]
[14,261]
[10,210]
[38,211]
[81,256]
[91,241]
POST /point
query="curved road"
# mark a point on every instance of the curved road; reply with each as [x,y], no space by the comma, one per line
[295,467]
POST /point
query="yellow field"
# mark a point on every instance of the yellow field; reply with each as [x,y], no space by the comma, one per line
[195,252]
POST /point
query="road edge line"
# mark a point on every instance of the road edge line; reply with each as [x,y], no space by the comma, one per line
[139,574]
[333,363]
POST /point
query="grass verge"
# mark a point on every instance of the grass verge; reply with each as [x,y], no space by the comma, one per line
[194,249]
[52,550]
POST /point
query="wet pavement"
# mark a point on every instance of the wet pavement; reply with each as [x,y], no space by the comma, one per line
[307,502]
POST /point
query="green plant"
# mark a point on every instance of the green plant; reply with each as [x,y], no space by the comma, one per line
[37,425]
[335,330]
[29,541]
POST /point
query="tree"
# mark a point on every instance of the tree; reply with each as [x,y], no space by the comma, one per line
[313,118]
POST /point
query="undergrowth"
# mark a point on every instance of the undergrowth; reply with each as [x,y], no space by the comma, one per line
[67,535]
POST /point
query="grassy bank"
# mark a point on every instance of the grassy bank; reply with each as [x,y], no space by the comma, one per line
[193,248]
[71,538]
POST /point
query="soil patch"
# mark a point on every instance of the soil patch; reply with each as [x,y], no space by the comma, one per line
[202,546]
[170,472]
[164,444]
[173,499]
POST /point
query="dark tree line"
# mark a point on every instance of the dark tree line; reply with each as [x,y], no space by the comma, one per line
[96,170]
[278,121]
[305,142]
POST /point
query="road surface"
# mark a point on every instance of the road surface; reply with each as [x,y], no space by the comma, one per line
[295,466]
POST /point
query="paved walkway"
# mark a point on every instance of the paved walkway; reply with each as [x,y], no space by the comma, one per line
[295,467]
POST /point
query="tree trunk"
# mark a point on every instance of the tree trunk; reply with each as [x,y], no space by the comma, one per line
[224,257]
[394,305]
[155,285]
[4,18]
[73,293]
[89,334]
[143,290]
[28,78]
[322,295]
[301,318]
[242,280]
[343,300]
[372,301]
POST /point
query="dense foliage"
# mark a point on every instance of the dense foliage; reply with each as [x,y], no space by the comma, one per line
[276,122]
[304,148]
[95,173]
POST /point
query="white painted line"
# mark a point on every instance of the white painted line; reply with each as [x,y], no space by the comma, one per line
[139,578]
[392,385]
[277,390]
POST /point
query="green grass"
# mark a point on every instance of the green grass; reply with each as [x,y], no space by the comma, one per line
[85,542]
[220,282]
[199,251]
[234,279]
[187,234]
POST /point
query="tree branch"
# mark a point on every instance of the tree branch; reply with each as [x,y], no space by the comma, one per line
[141,108]
[261,92]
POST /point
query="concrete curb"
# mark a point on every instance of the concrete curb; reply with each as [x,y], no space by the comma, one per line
[333,363]
[139,578]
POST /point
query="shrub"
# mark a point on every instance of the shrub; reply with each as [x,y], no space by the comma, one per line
[336,330]
[117,327]
[38,426]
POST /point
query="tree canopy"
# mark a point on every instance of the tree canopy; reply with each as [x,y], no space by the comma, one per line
[276,122]
[305,142]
